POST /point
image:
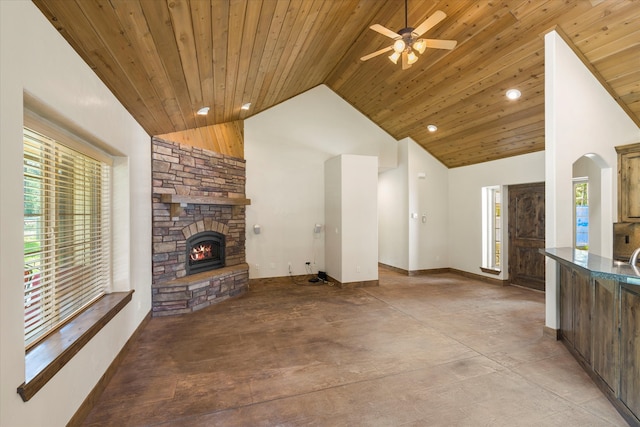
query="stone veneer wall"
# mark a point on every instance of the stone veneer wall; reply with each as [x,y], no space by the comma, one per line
[185,170]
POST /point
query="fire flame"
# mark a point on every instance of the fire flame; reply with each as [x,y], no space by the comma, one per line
[200,252]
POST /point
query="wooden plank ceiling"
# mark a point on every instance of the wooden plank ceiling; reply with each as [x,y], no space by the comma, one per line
[165,59]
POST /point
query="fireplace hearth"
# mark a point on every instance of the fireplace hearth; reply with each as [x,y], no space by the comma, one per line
[205,251]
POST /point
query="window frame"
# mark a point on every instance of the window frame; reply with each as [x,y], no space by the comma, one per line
[492,229]
[46,358]
[70,209]
[576,182]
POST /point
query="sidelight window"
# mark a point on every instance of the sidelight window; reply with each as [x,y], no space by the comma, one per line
[492,228]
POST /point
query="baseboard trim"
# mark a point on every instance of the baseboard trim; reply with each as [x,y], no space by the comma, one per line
[353,285]
[490,280]
[429,271]
[551,333]
[481,278]
[414,272]
[91,399]
[392,268]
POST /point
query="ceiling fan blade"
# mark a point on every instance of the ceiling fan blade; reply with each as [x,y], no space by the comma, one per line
[431,21]
[376,53]
[385,31]
[440,44]
[405,61]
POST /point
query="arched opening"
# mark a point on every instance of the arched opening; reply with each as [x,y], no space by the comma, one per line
[592,205]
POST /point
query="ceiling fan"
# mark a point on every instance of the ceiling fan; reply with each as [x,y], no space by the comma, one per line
[407,41]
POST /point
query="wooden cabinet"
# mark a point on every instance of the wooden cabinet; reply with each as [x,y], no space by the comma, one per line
[630,347]
[582,313]
[566,303]
[629,183]
[575,309]
[606,344]
[600,325]
[599,316]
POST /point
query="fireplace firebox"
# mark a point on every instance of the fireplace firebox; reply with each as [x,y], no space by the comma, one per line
[205,251]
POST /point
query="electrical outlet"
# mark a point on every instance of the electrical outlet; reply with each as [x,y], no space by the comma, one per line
[257,266]
[357,269]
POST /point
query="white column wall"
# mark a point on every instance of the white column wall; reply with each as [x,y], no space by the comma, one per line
[34,58]
[351,183]
[580,117]
[359,218]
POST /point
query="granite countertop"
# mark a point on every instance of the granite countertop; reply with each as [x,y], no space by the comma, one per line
[597,265]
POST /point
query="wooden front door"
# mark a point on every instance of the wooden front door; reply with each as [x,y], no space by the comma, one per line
[526,235]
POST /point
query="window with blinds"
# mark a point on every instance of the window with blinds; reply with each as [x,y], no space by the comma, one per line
[66,233]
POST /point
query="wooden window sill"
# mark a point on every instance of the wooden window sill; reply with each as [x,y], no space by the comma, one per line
[47,357]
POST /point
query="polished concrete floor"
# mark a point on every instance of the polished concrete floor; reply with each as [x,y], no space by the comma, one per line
[439,350]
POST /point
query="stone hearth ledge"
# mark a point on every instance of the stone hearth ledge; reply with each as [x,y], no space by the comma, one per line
[197,291]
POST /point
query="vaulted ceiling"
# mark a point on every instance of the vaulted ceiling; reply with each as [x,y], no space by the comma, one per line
[165,59]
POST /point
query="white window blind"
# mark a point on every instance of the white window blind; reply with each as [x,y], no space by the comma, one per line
[66,233]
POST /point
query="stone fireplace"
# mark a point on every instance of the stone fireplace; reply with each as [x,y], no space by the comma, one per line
[198,228]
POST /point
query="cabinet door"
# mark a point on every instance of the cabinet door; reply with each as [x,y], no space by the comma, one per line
[566,303]
[582,314]
[629,183]
[605,321]
[630,347]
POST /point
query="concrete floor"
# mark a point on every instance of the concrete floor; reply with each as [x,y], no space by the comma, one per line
[439,350]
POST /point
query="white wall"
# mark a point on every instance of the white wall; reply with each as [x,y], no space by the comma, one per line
[285,149]
[35,59]
[404,197]
[351,194]
[465,204]
[393,213]
[580,117]
[428,198]
[333,217]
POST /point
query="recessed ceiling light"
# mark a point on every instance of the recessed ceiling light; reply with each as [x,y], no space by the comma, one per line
[203,111]
[513,94]
[432,128]
[246,106]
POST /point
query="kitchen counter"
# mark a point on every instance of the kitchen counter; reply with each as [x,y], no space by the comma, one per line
[598,302]
[599,267]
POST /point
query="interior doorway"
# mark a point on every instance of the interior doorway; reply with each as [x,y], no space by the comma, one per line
[527,235]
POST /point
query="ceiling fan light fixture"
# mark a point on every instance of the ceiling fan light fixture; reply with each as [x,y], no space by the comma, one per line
[412,58]
[420,45]
[203,111]
[399,45]
[513,94]
[394,57]
[406,42]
